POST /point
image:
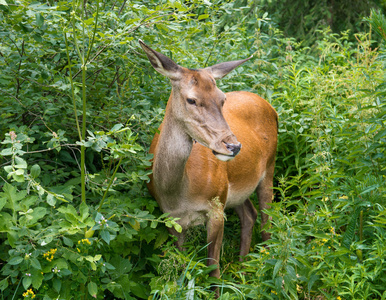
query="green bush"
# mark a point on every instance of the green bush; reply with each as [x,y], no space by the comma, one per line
[73,233]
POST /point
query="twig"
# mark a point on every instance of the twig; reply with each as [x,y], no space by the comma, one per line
[130,31]
[49,149]
[123,5]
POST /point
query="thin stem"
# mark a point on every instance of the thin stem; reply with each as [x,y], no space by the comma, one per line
[72,88]
[361,226]
[83,149]
[93,35]
[110,183]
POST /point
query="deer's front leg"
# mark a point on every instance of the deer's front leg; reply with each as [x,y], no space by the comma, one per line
[215,232]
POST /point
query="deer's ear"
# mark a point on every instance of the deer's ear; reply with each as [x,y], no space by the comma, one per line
[220,70]
[162,63]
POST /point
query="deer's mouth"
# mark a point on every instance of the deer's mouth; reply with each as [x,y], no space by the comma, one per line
[228,150]
[223,157]
[233,150]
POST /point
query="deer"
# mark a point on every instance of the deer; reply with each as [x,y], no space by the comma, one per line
[211,152]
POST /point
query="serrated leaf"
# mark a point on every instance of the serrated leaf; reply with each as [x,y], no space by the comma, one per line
[350,231]
[291,272]
[311,282]
[161,238]
[277,268]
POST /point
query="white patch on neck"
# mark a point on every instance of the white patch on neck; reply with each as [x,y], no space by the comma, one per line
[223,157]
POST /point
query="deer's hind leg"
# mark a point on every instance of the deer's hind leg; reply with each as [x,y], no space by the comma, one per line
[247,214]
[265,194]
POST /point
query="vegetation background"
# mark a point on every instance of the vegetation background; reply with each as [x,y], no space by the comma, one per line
[80,104]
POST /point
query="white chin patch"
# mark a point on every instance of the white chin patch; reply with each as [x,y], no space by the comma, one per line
[223,157]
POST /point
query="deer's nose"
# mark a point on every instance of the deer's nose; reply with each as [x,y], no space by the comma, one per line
[234,148]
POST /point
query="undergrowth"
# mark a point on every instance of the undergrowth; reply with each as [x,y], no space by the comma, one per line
[72,234]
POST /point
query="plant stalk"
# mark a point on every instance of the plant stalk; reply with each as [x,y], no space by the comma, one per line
[110,183]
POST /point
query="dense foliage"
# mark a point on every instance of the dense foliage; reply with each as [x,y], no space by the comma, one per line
[76,90]
[306,19]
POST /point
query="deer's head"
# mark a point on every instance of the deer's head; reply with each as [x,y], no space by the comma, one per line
[197,102]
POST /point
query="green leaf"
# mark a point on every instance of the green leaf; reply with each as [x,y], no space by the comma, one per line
[27,281]
[4,282]
[2,202]
[6,151]
[93,266]
[18,178]
[20,163]
[12,237]
[161,238]
[311,282]
[37,278]
[57,284]
[51,200]
[6,222]
[68,242]
[177,227]
[105,235]
[350,231]
[35,264]
[97,257]
[92,289]
[140,291]
[201,17]
[3,2]
[39,19]
[116,127]
[291,272]
[35,171]
[83,209]
[277,268]
[37,214]
[15,260]
[8,169]
[13,196]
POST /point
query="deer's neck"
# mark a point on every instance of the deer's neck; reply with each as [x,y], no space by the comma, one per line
[174,147]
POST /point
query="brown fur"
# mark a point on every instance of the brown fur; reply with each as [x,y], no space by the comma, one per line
[188,180]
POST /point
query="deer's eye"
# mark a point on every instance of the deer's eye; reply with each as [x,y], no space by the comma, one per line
[191,101]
